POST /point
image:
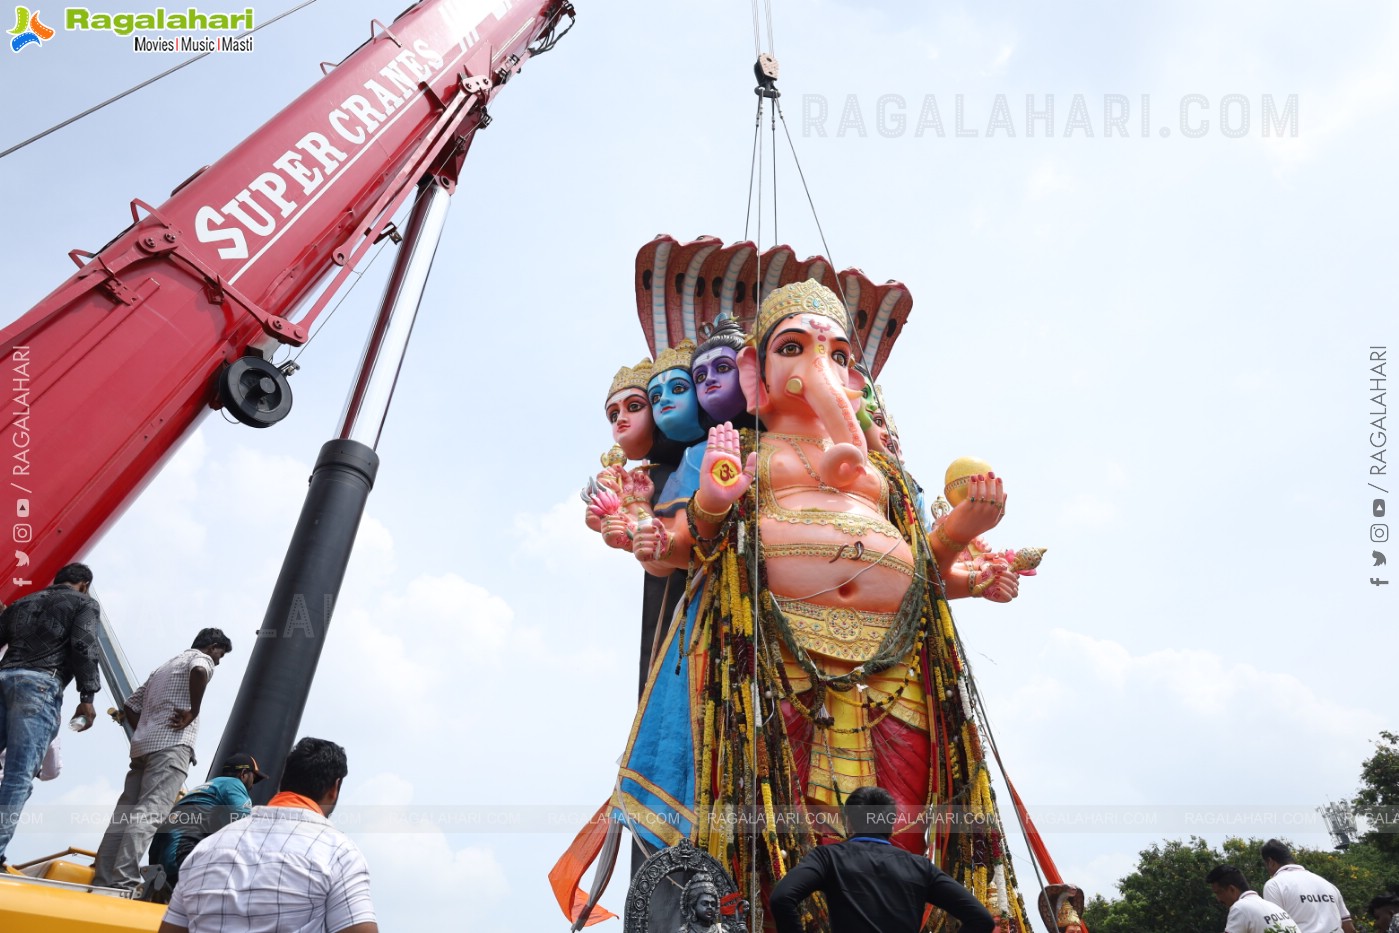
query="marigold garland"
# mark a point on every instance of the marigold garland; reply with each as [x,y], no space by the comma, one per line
[744,751]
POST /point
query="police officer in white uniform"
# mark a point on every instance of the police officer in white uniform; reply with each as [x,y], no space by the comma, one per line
[1314,903]
[1248,913]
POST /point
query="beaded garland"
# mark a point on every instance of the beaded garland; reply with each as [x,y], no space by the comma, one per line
[743,748]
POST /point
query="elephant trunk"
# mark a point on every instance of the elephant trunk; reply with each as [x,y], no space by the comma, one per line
[830,398]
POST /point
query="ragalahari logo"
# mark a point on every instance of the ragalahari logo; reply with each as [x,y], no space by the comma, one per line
[28,30]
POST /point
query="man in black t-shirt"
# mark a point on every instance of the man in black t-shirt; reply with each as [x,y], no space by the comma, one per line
[872,886]
[50,639]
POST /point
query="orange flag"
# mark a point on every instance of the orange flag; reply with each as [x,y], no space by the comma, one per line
[572,865]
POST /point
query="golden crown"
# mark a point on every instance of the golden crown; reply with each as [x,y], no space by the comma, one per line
[809,297]
[631,377]
[676,357]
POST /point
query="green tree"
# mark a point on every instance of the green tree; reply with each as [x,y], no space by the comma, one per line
[1166,894]
[1378,799]
[1167,891]
[1359,873]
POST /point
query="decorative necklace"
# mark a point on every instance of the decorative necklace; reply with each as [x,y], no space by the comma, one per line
[818,441]
[801,455]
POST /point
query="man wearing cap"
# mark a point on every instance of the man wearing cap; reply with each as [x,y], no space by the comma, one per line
[207,808]
[165,713]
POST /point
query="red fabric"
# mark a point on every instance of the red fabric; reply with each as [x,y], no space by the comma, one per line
[574,863]
[1033,839]
[901,757]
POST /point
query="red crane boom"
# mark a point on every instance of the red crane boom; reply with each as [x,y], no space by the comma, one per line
[110,371]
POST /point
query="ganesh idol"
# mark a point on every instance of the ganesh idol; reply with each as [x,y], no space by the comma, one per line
[819,610]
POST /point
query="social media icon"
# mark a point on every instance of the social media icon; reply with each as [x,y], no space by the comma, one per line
[1378,533]
[1377,555]
[22,508]
[1377,507]
[22,559]
[22,533]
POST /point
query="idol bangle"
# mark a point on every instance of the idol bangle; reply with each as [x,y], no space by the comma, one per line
[956,546]
[704,515]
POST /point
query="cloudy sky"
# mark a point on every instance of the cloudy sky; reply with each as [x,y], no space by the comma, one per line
[1160,339]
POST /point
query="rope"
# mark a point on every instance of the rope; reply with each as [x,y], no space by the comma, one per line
[149,81]
[753,784]
[772,47]
[825,247]
[932,578]
[855,336]
[361,272]
[359,276]
[775,240]
[977,699]
[980,705]
[752,167]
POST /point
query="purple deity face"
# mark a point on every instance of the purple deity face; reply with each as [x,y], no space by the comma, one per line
[716,381]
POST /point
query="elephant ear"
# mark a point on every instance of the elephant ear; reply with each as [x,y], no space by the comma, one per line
[857,382]
[750,381]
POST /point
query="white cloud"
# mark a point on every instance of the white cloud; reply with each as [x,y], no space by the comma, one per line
[1001,59]
[407,851]
[1048,178]
[1150,707]
[1100,874]
[1088,511]
[559,536]
[1324,119]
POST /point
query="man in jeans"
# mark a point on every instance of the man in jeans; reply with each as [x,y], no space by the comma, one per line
[50,639]
[165,713]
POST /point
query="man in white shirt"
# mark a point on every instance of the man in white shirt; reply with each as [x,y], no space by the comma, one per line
[1248,913]
[1312,901]
[165,713]
[283,869]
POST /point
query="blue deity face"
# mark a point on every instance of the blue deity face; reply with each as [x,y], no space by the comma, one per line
[674,405]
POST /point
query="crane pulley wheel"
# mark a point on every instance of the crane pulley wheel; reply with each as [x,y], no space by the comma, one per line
[255,391]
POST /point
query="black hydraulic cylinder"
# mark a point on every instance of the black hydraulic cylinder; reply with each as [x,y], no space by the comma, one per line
[267,713]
